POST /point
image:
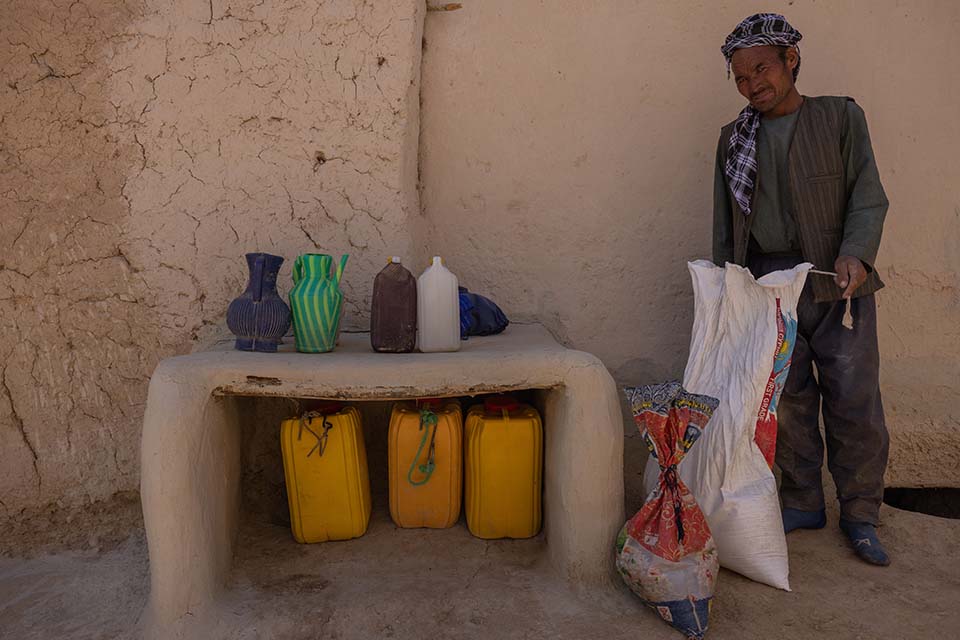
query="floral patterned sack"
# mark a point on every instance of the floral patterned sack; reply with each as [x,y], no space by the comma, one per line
[666,553]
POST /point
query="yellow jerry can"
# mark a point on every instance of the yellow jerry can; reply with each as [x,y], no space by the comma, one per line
[325,463]
[504,469]
[425,463]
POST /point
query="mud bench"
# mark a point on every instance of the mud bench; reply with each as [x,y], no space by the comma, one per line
[190,449]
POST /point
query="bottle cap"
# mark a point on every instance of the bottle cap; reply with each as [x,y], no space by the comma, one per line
[437,260]
[395,260]
[328,408]
[493,404]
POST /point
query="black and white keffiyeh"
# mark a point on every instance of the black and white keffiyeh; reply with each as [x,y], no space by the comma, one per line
[741,166]
[758,30]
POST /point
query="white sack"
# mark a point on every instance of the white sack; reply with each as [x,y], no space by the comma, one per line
[732,349]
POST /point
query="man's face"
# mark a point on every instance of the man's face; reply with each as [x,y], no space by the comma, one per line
[762,77]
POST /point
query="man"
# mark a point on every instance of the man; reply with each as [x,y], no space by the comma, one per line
[796,181]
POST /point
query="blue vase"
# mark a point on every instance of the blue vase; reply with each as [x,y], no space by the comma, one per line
[259,317]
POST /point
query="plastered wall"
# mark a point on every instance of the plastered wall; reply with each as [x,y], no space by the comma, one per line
[565,169]
[567,157]
[145,146]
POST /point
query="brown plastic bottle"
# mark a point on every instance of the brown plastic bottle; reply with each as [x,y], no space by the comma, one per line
[393,317]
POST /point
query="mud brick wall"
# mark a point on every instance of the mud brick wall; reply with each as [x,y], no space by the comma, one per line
[144,148]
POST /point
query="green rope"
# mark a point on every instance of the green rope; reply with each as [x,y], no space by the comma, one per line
[427,419]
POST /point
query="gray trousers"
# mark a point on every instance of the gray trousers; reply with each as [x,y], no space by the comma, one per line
[846,388]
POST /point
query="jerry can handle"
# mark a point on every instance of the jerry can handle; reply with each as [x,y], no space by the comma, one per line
[427,419]
[305,421]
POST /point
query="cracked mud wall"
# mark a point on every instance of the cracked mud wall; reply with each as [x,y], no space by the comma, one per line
[567,158]
[145,146]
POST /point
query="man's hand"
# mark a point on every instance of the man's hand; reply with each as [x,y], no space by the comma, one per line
[850,274]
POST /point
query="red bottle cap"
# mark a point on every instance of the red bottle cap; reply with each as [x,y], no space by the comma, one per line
[494,404]
[328,408]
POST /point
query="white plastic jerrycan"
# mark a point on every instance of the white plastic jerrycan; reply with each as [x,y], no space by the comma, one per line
[438,309]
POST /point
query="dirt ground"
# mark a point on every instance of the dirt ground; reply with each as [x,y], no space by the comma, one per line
[85,575]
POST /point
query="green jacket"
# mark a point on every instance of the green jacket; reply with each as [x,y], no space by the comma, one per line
[838,201]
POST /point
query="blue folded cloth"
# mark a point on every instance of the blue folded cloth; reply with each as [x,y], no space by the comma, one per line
[479,316]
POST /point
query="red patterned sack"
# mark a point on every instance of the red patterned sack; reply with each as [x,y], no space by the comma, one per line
[666,553]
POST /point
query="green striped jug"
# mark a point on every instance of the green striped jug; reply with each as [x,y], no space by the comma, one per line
[316,302]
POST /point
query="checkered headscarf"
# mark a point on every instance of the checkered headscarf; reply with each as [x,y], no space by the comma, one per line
[741,167]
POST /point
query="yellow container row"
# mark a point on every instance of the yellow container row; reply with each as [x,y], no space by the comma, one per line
[499,450]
